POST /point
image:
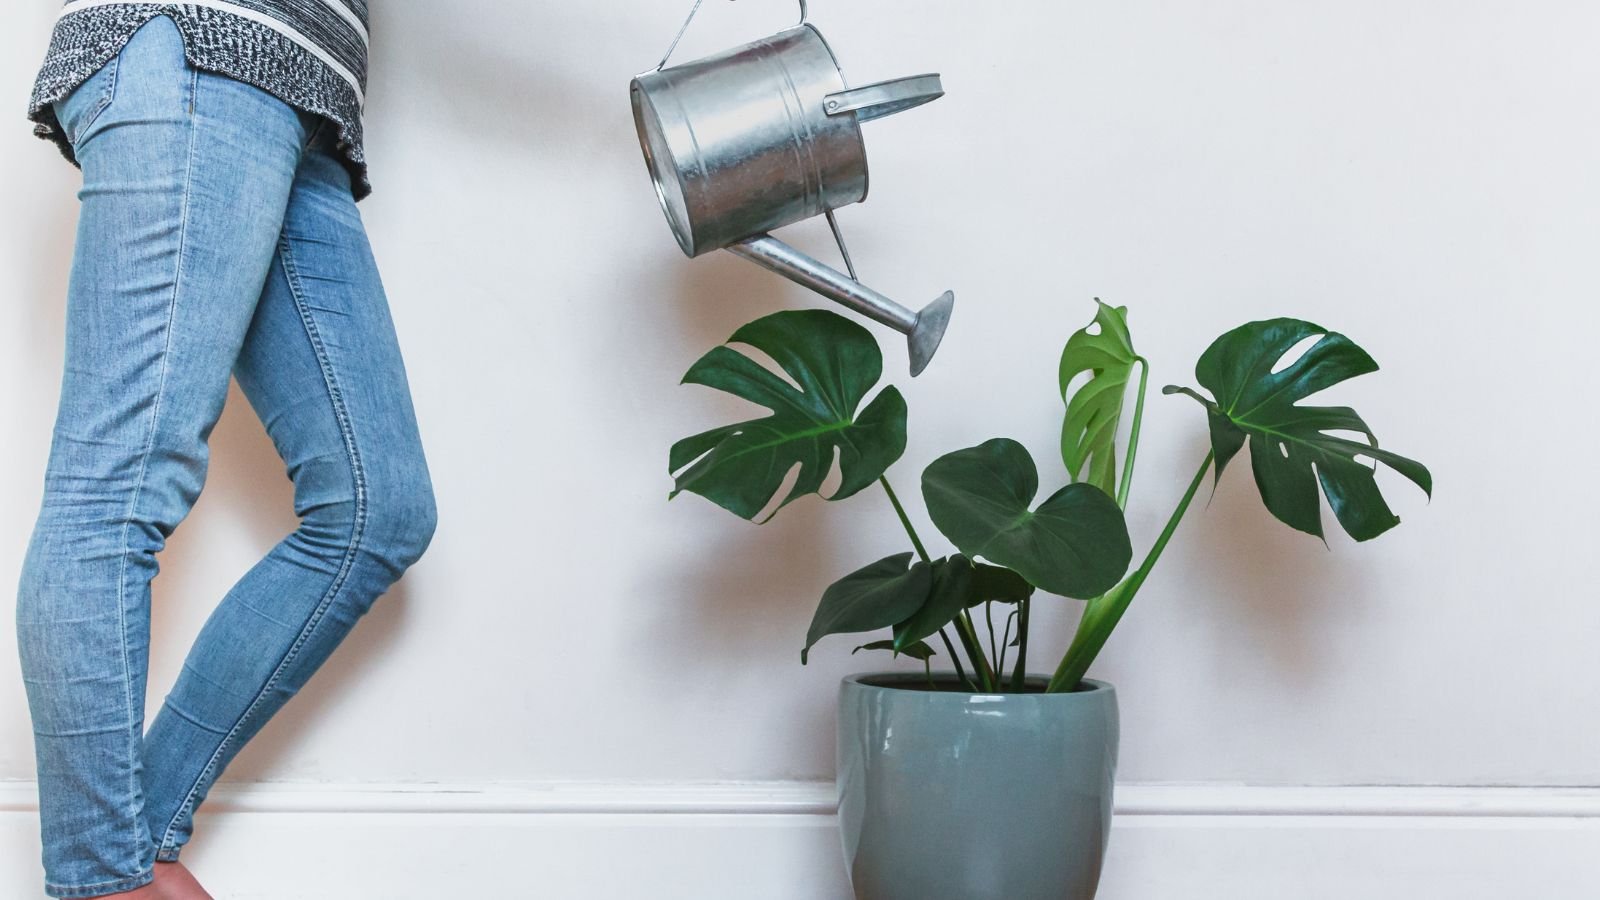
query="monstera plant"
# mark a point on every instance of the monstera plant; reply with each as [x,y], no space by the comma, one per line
[1008,548]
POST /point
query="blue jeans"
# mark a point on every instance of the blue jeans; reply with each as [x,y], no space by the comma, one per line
[217,235]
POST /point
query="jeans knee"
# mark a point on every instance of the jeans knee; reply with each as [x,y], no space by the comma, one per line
[401,518]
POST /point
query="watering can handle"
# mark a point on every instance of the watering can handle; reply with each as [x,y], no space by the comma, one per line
[885,98]
[804,15]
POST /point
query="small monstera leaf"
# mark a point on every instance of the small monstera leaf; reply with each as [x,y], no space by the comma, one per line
[835,362]
[1291,448]
[1089,432]
[958,583]
[997,583]
[919,651]
[1075,543]
[917,601]
[872,597]
[949,594]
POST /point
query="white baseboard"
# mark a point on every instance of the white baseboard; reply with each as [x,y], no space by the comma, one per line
[776,841]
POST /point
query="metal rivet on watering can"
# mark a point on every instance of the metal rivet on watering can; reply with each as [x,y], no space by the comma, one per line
[765,135]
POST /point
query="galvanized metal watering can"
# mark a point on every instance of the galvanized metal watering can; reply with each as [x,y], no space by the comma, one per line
[765,135]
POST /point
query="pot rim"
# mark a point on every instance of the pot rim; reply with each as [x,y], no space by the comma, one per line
[872,681]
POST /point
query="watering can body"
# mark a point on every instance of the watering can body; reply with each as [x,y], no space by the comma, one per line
[768,134]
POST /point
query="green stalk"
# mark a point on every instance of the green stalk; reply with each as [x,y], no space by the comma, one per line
[904,519]
[988,616]
[1133,434]
[961,672]
[1021,671]
[1005,644]
[1103,613]
[980,661]
[964,630]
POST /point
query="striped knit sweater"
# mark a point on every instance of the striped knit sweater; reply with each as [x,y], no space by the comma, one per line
[311,54]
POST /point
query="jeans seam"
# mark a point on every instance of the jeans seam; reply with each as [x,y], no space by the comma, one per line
[137,728]
[358,475]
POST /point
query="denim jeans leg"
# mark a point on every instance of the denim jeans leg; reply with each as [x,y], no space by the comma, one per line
[186,177]
[321,367]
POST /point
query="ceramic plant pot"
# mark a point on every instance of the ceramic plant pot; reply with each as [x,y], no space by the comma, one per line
[950,795]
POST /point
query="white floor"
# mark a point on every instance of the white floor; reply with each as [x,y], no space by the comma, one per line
[777,842]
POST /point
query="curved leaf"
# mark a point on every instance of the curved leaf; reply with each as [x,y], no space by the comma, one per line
[919,651]
[835,362]
[872,597]
[997,583]
[1075,543]
[1089,432]
[1291,449]
[949,594]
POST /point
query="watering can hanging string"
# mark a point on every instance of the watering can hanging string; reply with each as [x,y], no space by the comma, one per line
[693,11]
[767,134]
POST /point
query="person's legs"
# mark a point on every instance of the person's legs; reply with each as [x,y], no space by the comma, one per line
[321,366]
[186,176]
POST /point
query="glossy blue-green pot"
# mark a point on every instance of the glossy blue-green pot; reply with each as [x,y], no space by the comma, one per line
[949,795]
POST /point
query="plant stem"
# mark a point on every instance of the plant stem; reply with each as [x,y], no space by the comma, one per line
[904,519]
[1005,644]
[1133,434]
[1021,673]
[969,640]
[1103,613]
[960,671]
[988,616]
[968,635]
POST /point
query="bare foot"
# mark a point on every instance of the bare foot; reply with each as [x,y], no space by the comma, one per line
[174,881]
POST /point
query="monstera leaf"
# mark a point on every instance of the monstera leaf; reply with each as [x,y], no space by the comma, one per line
[919,651]
[834,362]
[1089,432]
[1075,543]
[1291,447]
[997,583]
[949,594]
[872,597]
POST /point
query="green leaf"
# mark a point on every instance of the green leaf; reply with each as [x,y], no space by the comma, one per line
[1075,543]
[835,362]
[919,651]
[1089,432]
[997,583]
[950,593]
[1291,449]
[872,597]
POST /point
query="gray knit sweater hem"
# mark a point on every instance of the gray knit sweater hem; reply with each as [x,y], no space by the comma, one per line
[215,41]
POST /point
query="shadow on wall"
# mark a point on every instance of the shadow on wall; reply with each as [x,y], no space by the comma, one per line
[502,91]
[727,587]
[45,281]
[494,93]
[1276,594]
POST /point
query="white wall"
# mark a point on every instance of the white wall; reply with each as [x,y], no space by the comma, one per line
[1419,175]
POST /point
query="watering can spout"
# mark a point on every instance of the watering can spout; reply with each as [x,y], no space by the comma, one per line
[923,330]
